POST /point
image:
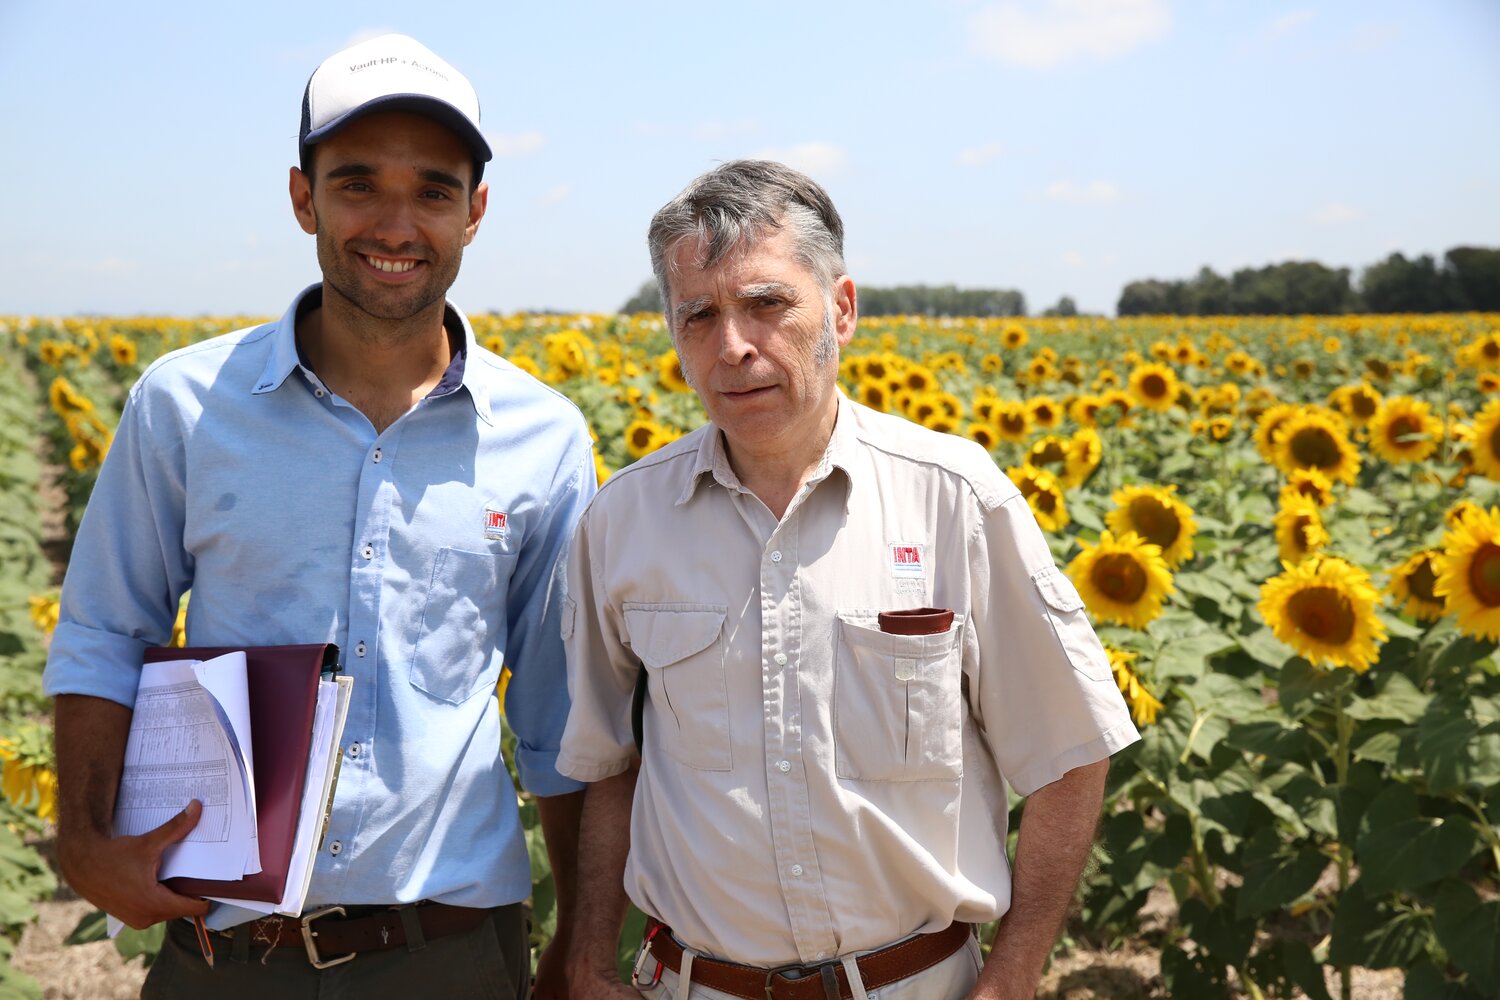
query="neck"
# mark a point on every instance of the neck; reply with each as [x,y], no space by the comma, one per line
[383,367]
[775,470]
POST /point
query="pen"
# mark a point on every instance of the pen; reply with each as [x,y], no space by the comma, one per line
[204,944]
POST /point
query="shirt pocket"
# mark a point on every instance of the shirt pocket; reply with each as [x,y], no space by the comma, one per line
[1070,623]
[898,707]
[463,625]
[682,648]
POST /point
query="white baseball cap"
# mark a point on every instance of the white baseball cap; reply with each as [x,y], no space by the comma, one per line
[390,73]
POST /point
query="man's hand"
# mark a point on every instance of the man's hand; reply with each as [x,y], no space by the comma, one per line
[118,874]
[1057,831]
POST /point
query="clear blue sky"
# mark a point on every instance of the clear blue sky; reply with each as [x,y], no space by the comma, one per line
[1054,146]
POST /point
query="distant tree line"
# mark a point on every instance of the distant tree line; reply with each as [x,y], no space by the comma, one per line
[1468,279]
[903,300]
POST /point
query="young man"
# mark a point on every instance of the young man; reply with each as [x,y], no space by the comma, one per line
[819,807]
[358,472]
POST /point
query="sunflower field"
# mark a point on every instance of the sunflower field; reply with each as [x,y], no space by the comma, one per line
[1286,530]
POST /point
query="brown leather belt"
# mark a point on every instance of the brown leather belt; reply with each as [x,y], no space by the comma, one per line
[332,937]
[813,982]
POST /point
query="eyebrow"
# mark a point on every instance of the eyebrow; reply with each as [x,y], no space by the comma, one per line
[766,289]
[686,309]
[364,170]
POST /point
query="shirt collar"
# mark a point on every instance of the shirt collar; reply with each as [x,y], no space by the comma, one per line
[285,359]
[712,458]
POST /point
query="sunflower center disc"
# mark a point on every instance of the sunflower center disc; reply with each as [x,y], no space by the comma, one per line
[1315,446]
[1120,577]
[1484,574]
[1495,442]
[1421,581]
[1322,613]
[1155,521]
[1155,386]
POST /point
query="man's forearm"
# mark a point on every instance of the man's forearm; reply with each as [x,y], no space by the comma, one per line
[560,816]
[1057,831]
[604,844]
[90,736]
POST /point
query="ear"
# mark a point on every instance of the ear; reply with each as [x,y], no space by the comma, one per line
[478,202]
[845,308]
[299,186]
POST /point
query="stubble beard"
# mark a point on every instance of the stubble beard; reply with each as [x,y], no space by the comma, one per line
[386,308]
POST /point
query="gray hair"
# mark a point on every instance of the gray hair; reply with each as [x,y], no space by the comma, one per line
[740,202]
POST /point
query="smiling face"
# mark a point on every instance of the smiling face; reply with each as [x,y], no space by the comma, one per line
[759,343]
[392,212]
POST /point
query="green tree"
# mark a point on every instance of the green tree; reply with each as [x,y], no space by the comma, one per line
[646,299]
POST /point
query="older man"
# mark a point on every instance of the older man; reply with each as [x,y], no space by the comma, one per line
[819,807]
[359,472]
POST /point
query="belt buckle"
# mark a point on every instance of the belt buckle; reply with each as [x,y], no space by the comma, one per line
[781,970]
[308,934]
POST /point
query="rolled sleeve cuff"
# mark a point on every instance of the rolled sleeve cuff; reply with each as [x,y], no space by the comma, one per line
[1045,772]
[591,771]
[93,662]
[540,774]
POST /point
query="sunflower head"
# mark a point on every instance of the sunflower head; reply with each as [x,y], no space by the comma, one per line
[1122,579]
[1412,586]
[1155,513]
[1154,386]
[1299,528]
[1486,444]
[1049,451]
[1468,573]
[1324,608]
[1043,495]
[1045,412]
[1309,483]
[1013,421]
[1404,430]
[1143,705]
[1314,438]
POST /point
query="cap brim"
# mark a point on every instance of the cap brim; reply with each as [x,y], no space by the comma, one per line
[421,104]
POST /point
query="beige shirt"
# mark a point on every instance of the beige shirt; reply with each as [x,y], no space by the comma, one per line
[810,785]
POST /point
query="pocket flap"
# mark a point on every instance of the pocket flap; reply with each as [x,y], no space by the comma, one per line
[1056,589]
[663,636]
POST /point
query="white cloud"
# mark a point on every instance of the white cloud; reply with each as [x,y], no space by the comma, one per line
[555,195]
[1335,214]
[1040,34]
[1290,21]
[1073,259]
[813,158]
[509,146]
[978,156]
[1092,193]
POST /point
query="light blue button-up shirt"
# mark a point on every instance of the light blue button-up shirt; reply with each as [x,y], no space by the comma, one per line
[431,553]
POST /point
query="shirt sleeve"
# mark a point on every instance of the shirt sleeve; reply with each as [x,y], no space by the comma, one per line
[536,699]
[599,741]
[128,568]
[1040,684]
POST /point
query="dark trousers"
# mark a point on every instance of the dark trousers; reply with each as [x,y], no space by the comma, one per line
[492,960]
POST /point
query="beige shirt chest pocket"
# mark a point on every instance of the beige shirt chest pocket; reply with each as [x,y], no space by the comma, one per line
[682,648]
[1070,623]
[898,707]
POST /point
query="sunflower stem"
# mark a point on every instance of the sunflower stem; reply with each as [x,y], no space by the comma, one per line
[1484,826]
[1344,731]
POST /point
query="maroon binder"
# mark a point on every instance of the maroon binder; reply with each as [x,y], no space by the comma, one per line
[283,683]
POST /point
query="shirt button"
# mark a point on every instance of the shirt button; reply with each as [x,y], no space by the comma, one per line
[780,659]
[376,456]
[360,649]
[776,556]
[784,766]
[368,552]
[354,750]
[336,848]
[796,870]
[319,393]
